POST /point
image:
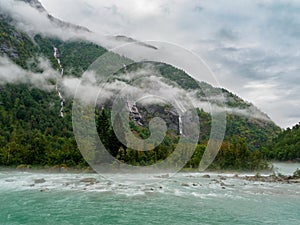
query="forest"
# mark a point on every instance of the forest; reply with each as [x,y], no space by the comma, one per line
[285,147]
[33,134]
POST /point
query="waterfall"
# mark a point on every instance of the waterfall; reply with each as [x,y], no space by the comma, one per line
[125,67]
[61,70]
[180,125]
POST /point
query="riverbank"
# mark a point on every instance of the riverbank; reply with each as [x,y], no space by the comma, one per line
[276,178]
[277,168]
[47,169]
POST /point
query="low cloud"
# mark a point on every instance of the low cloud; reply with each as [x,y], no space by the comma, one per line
[12,73]
[149,86]
[244,43]
[33,21]
[145,83]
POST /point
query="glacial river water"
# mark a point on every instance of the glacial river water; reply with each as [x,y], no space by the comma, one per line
[186,198]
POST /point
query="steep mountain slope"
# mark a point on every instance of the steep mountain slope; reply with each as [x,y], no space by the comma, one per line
[32,131]
[16,44]
[35,3]
[65,25]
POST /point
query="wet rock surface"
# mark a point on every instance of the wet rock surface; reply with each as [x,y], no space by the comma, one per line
[274,178]
[39,181]
[88,180]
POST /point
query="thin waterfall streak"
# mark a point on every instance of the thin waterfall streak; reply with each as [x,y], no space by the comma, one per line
[61,70]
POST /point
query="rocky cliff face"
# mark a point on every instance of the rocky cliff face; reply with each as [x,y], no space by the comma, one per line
[143,114]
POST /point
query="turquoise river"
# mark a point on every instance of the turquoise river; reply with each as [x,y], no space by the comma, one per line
[187,198]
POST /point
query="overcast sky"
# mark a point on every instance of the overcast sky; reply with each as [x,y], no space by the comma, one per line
[253,47]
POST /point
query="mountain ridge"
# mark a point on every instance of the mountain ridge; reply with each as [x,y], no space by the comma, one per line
[37,5]
[30,113]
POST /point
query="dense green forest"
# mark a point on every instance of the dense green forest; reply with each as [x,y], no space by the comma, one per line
[33,133]
[77,55]
[286,146]
[234,153]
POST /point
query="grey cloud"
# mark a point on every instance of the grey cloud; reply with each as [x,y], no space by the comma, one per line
[12,73]
[154,86]
[242,41]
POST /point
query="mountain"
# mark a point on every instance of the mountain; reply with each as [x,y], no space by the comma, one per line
[36,4]
[65,25]
[34,133]
[69,26]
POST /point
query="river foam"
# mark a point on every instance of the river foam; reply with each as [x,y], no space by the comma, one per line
[186,198]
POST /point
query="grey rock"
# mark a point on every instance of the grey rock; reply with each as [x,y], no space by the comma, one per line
[88,180]
[39,181]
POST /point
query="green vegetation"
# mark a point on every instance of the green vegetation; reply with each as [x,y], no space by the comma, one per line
[183,80]
[286,146]
[297,173]
[255,132]
[234,153]
[17,45]
[77,55]
[32,133]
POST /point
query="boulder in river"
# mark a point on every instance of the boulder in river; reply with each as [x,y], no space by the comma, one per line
[88,180]
[165,176]
[39,181]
